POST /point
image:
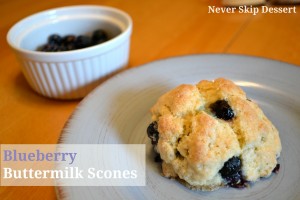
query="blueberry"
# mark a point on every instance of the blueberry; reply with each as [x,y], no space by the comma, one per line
[83,41]
[232,173]
[50,48]
[54,39]
[236,181]
[70,47]
[62,47]
[232,166]
[99,36]
[69,39]
[153,133]
[222,110]
[72,42]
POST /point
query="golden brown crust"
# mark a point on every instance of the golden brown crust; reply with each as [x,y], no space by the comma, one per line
[178,102]
[194,144]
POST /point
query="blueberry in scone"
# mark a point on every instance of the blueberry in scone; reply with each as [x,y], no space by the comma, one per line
[222,110]
[152,133]
[210,135]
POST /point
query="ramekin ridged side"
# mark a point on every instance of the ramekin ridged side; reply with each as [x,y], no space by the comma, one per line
[74,79]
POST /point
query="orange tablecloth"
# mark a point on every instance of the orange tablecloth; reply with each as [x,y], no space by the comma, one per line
[161,29]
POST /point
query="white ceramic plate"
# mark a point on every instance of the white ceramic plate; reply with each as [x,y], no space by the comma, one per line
[118,112]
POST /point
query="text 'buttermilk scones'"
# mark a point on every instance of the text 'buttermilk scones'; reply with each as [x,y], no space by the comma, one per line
[209,135]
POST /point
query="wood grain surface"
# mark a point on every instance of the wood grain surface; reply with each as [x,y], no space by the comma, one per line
[161,29]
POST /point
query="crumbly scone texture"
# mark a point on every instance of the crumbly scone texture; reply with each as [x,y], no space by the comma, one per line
[194,144]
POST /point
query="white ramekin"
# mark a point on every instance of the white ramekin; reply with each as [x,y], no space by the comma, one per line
[71,74]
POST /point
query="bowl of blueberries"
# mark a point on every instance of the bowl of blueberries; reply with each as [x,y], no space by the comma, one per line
[66,52]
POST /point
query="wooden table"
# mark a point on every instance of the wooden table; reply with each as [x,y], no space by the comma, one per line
[161,29]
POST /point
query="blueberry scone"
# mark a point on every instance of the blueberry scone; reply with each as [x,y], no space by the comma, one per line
[210,135]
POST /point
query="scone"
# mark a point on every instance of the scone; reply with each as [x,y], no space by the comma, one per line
[209,135]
